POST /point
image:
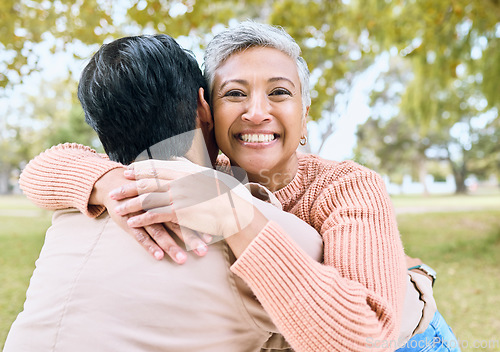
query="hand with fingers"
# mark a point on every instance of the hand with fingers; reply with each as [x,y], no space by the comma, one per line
[186,194]
[157,239]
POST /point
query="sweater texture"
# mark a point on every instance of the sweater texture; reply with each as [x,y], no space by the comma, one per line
[350,302]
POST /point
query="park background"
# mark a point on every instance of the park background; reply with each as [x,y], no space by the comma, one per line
[409,88]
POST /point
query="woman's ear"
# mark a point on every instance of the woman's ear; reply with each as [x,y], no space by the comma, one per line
[203,112]
[205,122]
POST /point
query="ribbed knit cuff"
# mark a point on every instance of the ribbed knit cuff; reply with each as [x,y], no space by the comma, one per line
[310,303]
[64,176]
[89,170]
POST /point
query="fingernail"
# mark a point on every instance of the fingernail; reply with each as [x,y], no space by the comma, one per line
[158,255]
[128,173]
[180,257]
[201,250]
[207,238]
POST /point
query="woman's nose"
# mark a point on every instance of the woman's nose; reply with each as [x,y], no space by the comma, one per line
[257,110]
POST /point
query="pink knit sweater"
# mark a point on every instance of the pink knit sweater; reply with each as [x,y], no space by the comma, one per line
[351,302]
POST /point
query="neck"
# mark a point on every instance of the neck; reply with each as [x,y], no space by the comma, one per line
[199,152]
[275,180]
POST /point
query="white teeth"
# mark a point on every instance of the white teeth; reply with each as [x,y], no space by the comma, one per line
[257,138]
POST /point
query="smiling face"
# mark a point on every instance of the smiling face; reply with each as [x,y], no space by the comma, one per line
[257,106]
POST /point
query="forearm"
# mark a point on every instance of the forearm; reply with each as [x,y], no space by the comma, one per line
[351,302]
[303,234]
[309,240]
[64,176]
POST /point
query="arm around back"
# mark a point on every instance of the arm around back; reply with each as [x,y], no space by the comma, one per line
[64,176]
[351,302]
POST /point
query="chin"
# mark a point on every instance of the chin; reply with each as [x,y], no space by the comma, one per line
[260,169]
[249,165]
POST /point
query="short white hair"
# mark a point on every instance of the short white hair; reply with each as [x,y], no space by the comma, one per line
[249,34]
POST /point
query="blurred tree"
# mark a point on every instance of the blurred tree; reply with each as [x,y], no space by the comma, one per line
[339,37]
[443,42]
[440,39]
[485,158]
[74,129]
[48,116]
[8,160]
[395,149]
[58,115]
[393,143]
[57,22]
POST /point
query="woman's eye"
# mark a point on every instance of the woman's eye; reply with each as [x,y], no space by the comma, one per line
[234,93]
[281,91]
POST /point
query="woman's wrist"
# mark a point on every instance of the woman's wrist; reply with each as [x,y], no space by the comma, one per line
[239,241]
[107,182]
[425,270]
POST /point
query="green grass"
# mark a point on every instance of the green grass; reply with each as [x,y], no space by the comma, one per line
[448,202]
[20,243]
[461,246]
[15,202]
[22,234]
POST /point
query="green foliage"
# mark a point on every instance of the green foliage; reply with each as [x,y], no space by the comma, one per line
[485,156]
[440,37]
[438,170]
[450,49]
[332,44]
[338,37]
[26,23]
[404,140]
[74,129]
[50,115]
[390,147]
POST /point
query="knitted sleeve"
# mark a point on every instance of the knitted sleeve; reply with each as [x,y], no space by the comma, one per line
[351,302]
[63,177]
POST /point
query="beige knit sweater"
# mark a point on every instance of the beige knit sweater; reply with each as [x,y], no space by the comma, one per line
[351,302]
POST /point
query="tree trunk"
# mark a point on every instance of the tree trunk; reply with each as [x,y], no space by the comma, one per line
[460,173]
[422,173]
[460,183]
[5,181]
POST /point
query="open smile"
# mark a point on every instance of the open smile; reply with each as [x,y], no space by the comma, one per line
[257,137]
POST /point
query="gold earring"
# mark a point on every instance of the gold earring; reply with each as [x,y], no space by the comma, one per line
[303,140]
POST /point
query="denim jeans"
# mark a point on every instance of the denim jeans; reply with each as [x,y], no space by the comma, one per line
[437,338]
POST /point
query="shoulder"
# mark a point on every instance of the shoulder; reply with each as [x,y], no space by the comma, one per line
[329,171]
[317,177]
[344,187]
[333,184]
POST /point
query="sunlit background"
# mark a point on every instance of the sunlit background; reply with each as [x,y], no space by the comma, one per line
[409,88]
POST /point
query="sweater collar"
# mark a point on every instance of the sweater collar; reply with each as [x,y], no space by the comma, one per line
[297,185]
